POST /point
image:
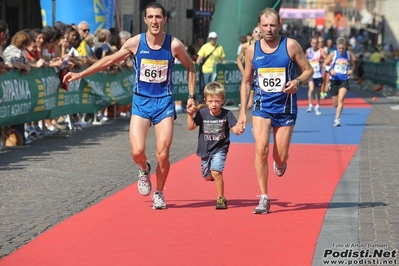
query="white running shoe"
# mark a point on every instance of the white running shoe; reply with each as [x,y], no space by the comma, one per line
[317,111]
[280,169]
[337,123]
[263,207]
[310,108]
[144,184]
[159,201]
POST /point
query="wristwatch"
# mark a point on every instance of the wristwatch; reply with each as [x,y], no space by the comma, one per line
[299,82]
[192,96]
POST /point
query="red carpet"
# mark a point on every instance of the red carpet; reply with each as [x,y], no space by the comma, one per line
[124,230]
[348,103]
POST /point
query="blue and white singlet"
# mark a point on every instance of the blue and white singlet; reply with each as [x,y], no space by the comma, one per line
[153,69]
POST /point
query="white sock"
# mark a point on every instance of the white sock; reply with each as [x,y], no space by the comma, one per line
[264,196]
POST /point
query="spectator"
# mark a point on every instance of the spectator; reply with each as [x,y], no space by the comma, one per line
[198,44]
[209,55]
[90,45]
[15,52]
[114,40]
[100,47]
[70,41]
[84,30]
[4,35]
[124,35]
[242,40]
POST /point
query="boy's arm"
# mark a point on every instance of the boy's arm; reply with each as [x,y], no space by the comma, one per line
[190,118]
[237,129]
[190,122]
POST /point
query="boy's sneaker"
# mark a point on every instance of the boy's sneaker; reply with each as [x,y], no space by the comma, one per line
[159,201]
[144,183]
[280,169]
[221,203]
[337,123]
[263,207]
[309,109]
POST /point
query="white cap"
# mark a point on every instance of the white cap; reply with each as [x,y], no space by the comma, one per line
[212,35]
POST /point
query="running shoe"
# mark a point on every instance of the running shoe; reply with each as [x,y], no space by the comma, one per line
[309,109]
[280,169]
[317,111]
[159,201]
[221,203]
[263,207]
[144,183]
[337,123]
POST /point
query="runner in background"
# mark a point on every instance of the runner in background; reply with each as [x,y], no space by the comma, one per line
[315,55]
[256,36]
[326,76]
[340,64]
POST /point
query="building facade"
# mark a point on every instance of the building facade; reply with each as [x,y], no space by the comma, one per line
[183,22]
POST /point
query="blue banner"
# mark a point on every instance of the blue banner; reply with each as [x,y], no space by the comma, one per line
[99,14]
[47,12]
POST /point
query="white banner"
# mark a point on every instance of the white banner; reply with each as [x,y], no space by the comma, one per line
[296,13]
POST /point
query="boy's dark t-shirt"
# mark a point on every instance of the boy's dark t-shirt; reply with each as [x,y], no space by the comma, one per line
[214,131]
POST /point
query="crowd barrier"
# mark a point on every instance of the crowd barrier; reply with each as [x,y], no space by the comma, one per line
[25,98]
[36,96]
[386,73]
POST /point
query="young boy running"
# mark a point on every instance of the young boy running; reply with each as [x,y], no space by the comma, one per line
[214,124]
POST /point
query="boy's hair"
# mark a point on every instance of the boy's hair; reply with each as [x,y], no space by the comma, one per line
[215,89]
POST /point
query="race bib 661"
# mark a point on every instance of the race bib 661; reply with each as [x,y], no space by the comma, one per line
[154,71]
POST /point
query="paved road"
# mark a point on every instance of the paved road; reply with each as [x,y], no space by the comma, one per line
[57,177]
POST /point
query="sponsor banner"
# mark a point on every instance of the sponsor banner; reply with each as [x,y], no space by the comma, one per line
[46,7]
[230,76]
[99,14]
[180,82]
[227,74]
[27,98]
